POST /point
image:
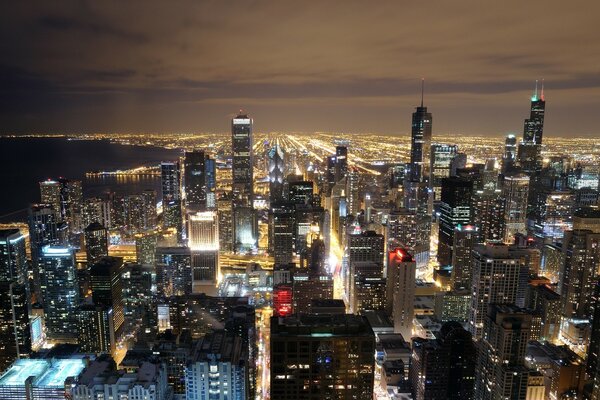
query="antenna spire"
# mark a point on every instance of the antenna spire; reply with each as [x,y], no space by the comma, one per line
[422,90]
[542,94]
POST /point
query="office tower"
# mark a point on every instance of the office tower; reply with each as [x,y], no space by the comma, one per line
[545,303]
[366,246]
[581,249]
[41,379]
[170,173]
[458,162]
[145,247]
[218,368]
[593,354]
[107,288]
[174,271]
[352,191]
[330,169]
[283,216]
[301,192]
[225,213]
[117,205]
[139,282]
[245,229]
[557,214]
[96,242]
[98,210]
[453,305]
[195,180]
[135,208]
[411,231]
[210,171]
[400,293]
[501,371]
[441,158]
[515,191]
[150,215]
[336,352]
[95,329]
[341,162]
[15,336]
[71,196]
[488,215]
[276,173]
[420,146]
[50,193]
[60,292]
[418,198]
[509,157]
[498,278]
[242,160]
[368,293]
[306,286]
[147,381]
[203,241]
[455,210]
[282,300]
[465,238]
[444,367]
[533,130]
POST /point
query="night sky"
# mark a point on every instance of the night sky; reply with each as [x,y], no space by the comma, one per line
[347,66]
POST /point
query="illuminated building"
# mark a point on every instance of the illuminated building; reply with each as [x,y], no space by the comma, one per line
[96,242]
[465,237]
[593,354]
[368,294]
[420,145]
[410,230]
[138,287]
[455,210]
[218,368]
[533,130]
[71,196]
[107,288]
[60,292]
[301,192]
[199,180]
[488,215]
[242,160]
[96,333]
[441,158]
[501,371]
[545,303]
[498,278]
[98,210]
[203,241]
[283,218]
[50,193]
[145,247]
[515,191]
[330,174]
[276,173]
[341,162]
[140,211]
[400,293]
[509,157]
[352,191]
[170,173]
[453,305]
[308,286]
[174,271]
[365,247]
[444,368]
[327,306]
[225,214]
[558,214]
[15,336]
[282,300]
[245,229]
[312,355]
[38,379]
[148,382]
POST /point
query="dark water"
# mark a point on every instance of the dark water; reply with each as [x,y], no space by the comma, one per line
[26,161]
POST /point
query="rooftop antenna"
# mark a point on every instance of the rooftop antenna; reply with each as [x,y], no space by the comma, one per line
[422,90]
[542,94]
[535,96]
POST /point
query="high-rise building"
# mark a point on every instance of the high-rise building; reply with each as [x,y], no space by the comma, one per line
[283,218]
[330,174]
[352,191]
[96,242]
[441,158]
[455,209]
[174,271]
[145,247]
[242,160]
[465,238]
[368,247]
[199,180]
[276,173]
[218,368]
[301,192]
[245,229]
[308,285]
[203,241]
[498,277]
[335,352]
[501,371]
[488,215]
[96,209]
[444,367]
[593,354]
[50,193]
[60,292]
[545,303]
[400,293]
[107,288]
[341,162]
[282,300]
[509,157]
[71,196]
[225,213]
[96,332]
[420,146]
[410,230]
[533,130]
[15,336]
[515,191]
[140,211]
[170,173]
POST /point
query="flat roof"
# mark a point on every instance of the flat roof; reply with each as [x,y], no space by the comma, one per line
[46,373]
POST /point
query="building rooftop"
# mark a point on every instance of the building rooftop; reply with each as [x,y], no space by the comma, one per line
[46,373]
[321,325]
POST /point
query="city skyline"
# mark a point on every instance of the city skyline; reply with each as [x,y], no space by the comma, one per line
[355,68]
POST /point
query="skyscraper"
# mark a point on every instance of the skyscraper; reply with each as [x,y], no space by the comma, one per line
[171,194]
[533,130]
[198,174]
[96,242]
[420,149]
[515,191]
[341,162]
[283,216]
[60,292]
[465,238]
[441,158]
[203,241]
[50,193]
[107,288]
[242,160]
[509,157]
[400,293]
[455,210]
[15,337]
[276,173]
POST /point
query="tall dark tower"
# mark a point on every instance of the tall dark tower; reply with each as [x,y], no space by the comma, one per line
[420,150]
[195,180]
[276,173]
[243,159]
[530,148]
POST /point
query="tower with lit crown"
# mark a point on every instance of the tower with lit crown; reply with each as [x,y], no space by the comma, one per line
[420,146]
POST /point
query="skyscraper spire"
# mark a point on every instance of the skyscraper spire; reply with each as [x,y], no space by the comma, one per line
[542,94]
[422,90]
[535,92]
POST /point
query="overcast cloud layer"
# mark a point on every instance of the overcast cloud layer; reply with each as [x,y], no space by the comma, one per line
[178,66]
